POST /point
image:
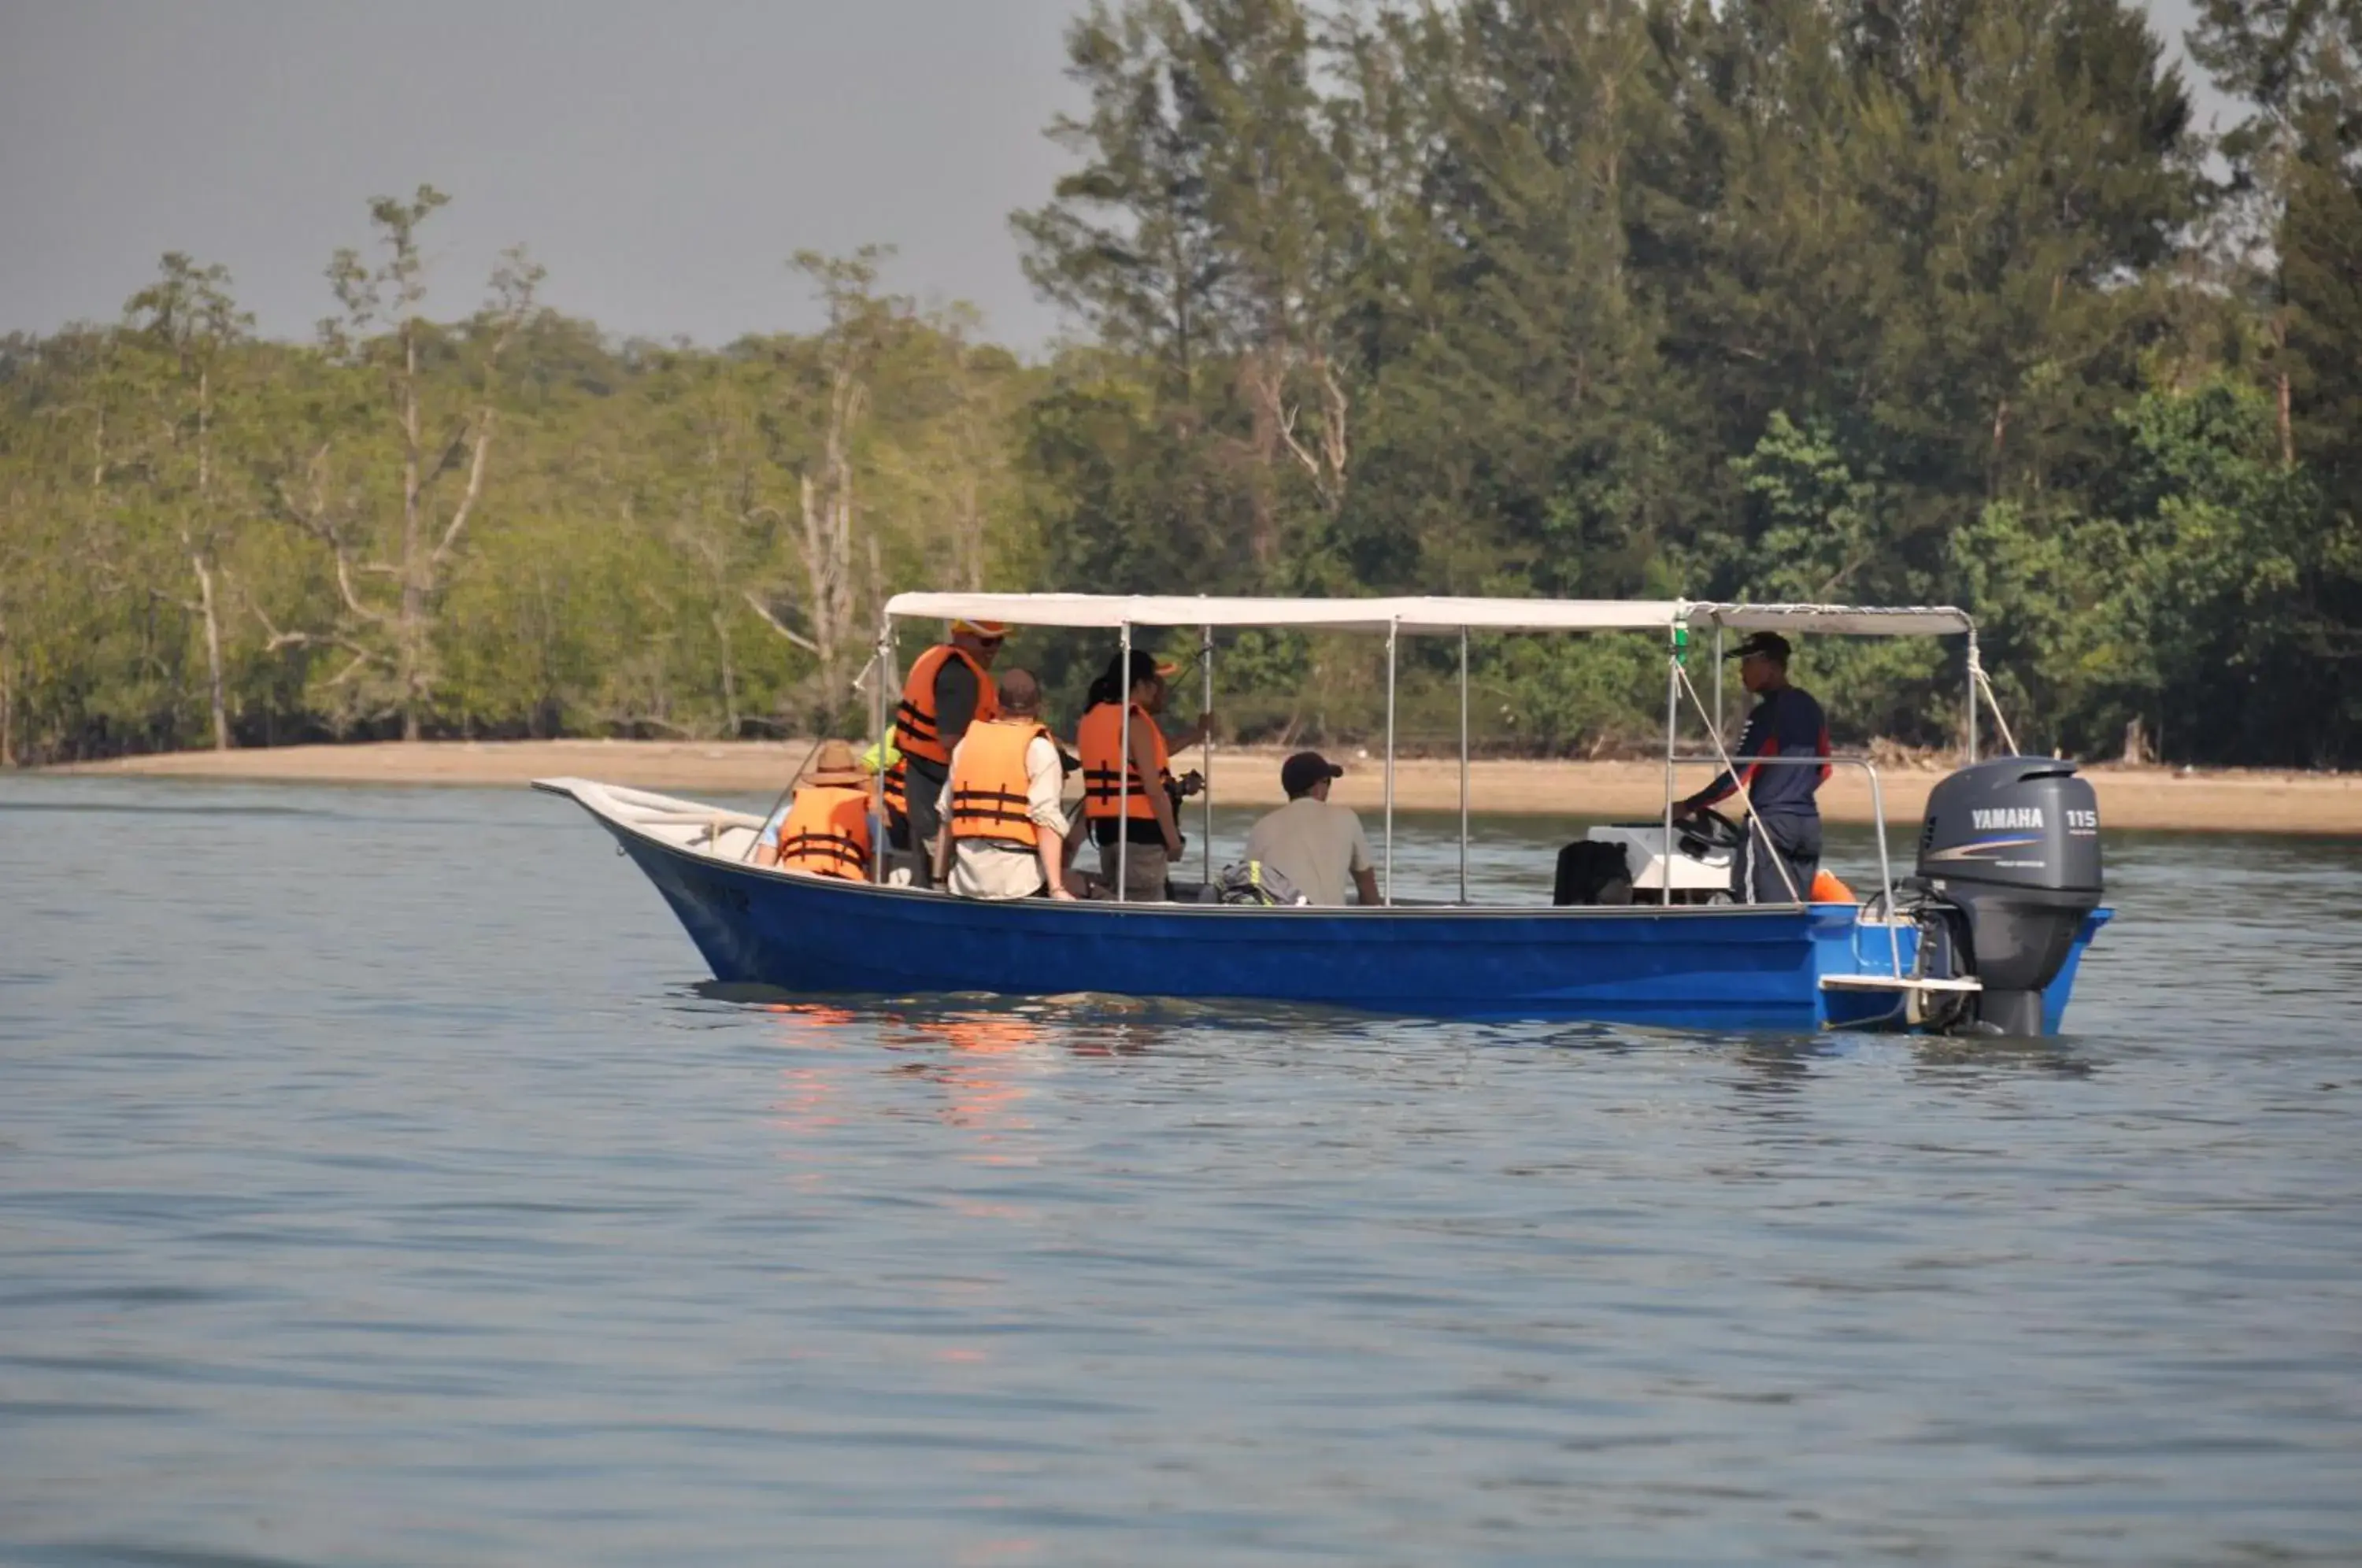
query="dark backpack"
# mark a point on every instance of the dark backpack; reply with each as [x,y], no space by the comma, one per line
[1254,882]
[1591,873]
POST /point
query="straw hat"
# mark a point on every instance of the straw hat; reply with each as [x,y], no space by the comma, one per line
[834,764]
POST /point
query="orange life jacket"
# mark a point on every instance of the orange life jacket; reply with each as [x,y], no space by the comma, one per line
[988,782]
[914,720]
[1107,774]
[1827,889]
[915,732]
[827,832]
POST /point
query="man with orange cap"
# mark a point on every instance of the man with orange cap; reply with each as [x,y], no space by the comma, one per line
[949,688]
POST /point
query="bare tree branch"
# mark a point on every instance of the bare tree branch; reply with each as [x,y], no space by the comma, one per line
[312,519]
[623,719]
[773,622]
[360,661]
[475,488]
[353,600]
[445,463]
[1265,376]
[277,639]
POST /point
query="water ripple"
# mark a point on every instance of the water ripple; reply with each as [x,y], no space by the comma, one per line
[380,1183]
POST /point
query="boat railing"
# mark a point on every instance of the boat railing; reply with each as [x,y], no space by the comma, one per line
[1878,812]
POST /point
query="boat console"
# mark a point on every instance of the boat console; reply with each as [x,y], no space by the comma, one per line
[1697,869]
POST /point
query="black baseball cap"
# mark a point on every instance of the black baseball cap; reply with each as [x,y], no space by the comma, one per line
[1299,773]
[1771,645]
[1145,665]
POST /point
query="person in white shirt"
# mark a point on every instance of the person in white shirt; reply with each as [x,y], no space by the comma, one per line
[1312,843]
[1004,826]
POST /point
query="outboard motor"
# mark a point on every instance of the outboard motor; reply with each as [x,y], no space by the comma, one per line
[2013,845]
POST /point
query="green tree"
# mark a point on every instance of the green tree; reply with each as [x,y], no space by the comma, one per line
[192,332]
[2188,610]
[1915,225]
[401,535]
[2297,64]
[1515,435]
[1201,237]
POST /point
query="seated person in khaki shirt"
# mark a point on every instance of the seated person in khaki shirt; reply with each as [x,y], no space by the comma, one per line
[990,863]
[1312,843]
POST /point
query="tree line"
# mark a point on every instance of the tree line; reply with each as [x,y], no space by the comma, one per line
[1876,301]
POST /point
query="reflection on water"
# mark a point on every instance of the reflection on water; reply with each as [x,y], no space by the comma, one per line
[380,1182]
[1969,1057]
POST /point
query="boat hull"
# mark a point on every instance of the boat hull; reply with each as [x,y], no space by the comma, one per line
[1690,966]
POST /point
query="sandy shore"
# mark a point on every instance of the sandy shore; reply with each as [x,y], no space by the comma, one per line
[2226,801]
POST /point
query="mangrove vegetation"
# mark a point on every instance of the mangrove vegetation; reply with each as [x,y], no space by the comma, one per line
[1884,301]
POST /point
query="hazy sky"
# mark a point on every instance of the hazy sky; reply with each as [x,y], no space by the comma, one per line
[661,160]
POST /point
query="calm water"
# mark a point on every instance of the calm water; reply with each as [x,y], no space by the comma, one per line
[377,1185]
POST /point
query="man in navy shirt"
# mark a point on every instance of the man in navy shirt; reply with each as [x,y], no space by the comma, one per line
[1787,723]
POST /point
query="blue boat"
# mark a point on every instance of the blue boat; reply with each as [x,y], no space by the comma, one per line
[1987,944]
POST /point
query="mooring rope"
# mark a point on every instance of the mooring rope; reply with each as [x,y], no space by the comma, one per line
[1977,674]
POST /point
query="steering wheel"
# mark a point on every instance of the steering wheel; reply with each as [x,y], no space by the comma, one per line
[1710,826]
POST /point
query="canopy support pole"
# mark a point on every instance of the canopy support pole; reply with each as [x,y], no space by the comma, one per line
[881,672]
[1123,768]
[1972,697]
[1394,635]
[1721,723]
[1464,765]
[1205,658]
[1673,724]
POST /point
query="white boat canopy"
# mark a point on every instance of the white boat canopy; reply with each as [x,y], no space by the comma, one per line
[1836,620]
[1108,612]
[1394,616]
